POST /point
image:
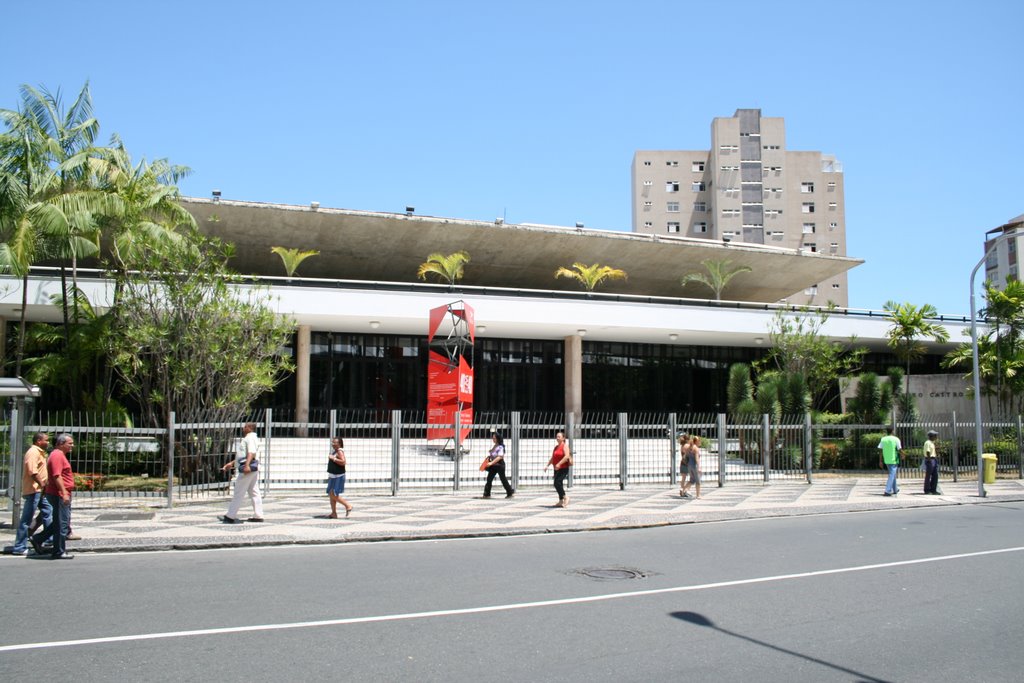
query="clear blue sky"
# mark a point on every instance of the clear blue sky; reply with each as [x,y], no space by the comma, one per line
[534,109]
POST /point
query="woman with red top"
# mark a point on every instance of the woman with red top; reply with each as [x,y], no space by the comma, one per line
[561,460]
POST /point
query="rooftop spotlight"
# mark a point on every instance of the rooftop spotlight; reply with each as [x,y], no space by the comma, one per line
[314,205]
[410,210]
[374,324]
[216,195]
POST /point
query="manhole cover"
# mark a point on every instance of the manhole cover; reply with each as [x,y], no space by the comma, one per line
[612,573]
[125,516]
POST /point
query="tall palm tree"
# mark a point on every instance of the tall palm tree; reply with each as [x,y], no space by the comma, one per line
[450,267]
[292,258]
[591,277]
[909,324]
[717,278]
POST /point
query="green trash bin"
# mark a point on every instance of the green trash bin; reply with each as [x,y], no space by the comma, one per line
[990,460]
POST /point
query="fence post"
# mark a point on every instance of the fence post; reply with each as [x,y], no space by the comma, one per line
[456,423]
[570,435]
[808,447]
[673,426]
[332,424]
[514,426]
[1020,447]
[268,421]
[17,465]
[171,428]
[766,439]
[722,446]
[396,449]
[623,425]
[956,451]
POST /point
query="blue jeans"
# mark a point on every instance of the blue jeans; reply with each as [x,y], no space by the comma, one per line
[890,484]
[59,527]
[29,505]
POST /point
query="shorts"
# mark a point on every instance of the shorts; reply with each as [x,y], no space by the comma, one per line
[336,485]
[694,475]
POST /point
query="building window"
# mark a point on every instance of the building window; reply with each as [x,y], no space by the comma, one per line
[696,186]
[671,163]
[831,226]
[698,207]
[833,248]
[697,227]
[808,207]
[831,186]
[730,212]
[670,186]
[831,207]
[647,224]
[773,212]
[810,291]
[728,149]
[811,247]
[673,226]
[772,147]
[671,207]
[647,183]
[808,230]
[834,286]
[646,163]
[726,169]
[776,235]
[647,207]
[806,187]
[697,167]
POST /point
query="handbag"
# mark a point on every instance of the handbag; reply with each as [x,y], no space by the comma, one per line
[485,464]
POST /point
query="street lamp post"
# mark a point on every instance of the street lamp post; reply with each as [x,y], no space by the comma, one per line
[974,358]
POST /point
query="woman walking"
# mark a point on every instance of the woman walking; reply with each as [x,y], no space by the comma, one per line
[496,466]
[336,477]
[684,453]
[692,467]
[561,460]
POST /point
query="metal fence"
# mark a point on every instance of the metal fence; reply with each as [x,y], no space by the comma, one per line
[390,451]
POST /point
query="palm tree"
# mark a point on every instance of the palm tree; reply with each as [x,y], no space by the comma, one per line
[591,277]
[291,258]
[909,323]
[47,206]
[448,267]
[717,277]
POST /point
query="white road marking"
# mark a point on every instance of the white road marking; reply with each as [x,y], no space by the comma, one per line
[499,608]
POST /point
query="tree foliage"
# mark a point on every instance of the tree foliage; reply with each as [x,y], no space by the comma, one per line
[184,339]
[909,325]
[591,277]
[717,277]
[450,268]
[1000,350]
[291,258]
[799,348]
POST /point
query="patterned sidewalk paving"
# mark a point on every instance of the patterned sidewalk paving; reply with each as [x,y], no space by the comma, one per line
[122,524]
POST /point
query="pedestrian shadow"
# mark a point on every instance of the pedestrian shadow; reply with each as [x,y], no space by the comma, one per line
[700,620]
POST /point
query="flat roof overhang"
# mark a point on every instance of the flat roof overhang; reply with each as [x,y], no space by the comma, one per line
[364,245]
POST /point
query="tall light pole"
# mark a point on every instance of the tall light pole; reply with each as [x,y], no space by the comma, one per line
[974,358]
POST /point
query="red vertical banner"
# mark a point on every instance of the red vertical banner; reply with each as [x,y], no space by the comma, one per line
[450,377]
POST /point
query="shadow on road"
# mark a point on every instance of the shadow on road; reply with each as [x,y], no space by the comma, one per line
[700,620]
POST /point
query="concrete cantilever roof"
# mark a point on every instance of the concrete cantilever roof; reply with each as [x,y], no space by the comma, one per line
[363,245]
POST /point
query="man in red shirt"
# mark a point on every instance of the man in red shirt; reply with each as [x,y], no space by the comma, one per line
[58,492]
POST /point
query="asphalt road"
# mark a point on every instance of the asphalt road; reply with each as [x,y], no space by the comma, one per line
[909,595]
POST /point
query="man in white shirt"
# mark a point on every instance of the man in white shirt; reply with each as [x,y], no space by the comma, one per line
[248,480]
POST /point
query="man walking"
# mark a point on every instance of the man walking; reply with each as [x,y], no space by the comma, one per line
[931,465]
[33,481]
[248,480]
[60,483]
[889,456]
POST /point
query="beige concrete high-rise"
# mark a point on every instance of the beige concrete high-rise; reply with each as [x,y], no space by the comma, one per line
[747,188]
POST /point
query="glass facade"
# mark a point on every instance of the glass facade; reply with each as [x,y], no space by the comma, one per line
[387,372]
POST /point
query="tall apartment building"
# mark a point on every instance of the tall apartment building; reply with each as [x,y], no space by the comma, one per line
[1002,254]
[747,188]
